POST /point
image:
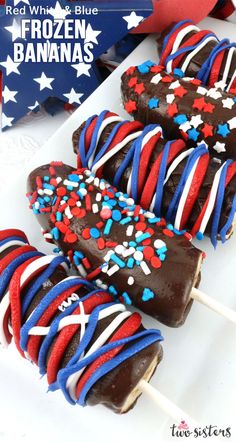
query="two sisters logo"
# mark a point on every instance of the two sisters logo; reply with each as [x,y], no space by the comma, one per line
[210,431]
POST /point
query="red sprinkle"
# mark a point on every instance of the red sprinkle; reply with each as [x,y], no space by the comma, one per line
[106,213]
[86,233]
[140,226]
[155,262]
[148,252]
[61,227]
[71,202]
[88,203]
[100,225]
[71,238]
[101,243]
[86,263]
[168,232]
[61,191]
[111,244]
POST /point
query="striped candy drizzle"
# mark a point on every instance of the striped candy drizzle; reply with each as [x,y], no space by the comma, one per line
[146,184]
[58,316]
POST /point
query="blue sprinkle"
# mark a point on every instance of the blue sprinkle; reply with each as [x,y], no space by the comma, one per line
[106,198]
[137,263]
[57,250]
[143,237]
[143,68]
[108,225]
[193,134]
[116,215]
[234,99]
[140,248]
[126,220]
[79,254]
[122,204]
[162,257]
[80,195]
[58,216]
[153,103]
[170,227]
[180,119]
[54,200]
[178,73]
[82,186]
[74,178]
[136,218]
[132,244]
[154,220]
[199,236]
[223,130]
[126,298]
[130,263]
[147,295]
[112,202]
[47,199]
[162,250]
[179,232]
[94,233]
[46,178]
[76,260]
[69,188]
[55,233]
[35,211]
[65,198]
[48,186]
[118,261]
[112,290]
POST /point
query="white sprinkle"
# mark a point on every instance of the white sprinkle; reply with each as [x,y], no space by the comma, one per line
[108,255]
[102,185]
[78,204]
[158,244]
[228,103]
[68,213]
[104,268]
[89,180]
[83,191]
[81,177]
[219,147]
[88,172]
[196,120]
[47,235]
[129,230]
[125,243]
[130,213]
[40,192]
[170,98]
[122,198]
[149,215]
[138,233]
[36,205]
[174,85]
[98,197]
[119,249]
[220,85]
[128,252]
[145,268]
[138,256]
[214,93]
[185,126]
[70,183]
[130,280]
[156,79]
[130,201]
[48,192]
[232,123]
[58,179]
[95,208]
[201,90]
[82,270]
[96,181]
[113,270]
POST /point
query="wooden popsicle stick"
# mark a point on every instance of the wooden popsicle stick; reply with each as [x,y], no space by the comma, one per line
[166,405]
[214,305]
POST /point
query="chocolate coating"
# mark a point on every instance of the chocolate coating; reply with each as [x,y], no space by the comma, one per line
[115,387]
[159,115]
[171,283]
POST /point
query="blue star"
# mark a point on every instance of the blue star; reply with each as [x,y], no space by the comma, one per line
[144,68]
[153,103]
[180,119]
[223,130]
[178,73]
[193,134]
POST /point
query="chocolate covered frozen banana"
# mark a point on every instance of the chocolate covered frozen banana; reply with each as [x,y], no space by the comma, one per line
[136,256]
[89,346]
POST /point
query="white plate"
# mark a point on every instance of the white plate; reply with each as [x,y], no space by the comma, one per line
[198,370]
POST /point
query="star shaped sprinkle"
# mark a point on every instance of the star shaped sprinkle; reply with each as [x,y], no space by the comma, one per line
[193,134]
[201,90]
[130,106]
[73,97]
[232,123]
[44,81]
[180,119]
[167,79]
[133,81]
[209,108]
[180,91]
[214,93]
[153,103]
[174,84]
[9,95]
[10,66]
[220,85]
[6,121]
[82,69]
[228,103]
[185,126]
[130,70]
[178,73]
[156,79]
[196,121]
[207,130]
[219,147]
[133,20]
[157,68]
[139,88]
[170,98]
[195,81]
[172,110]
[199,103]
[223,130]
